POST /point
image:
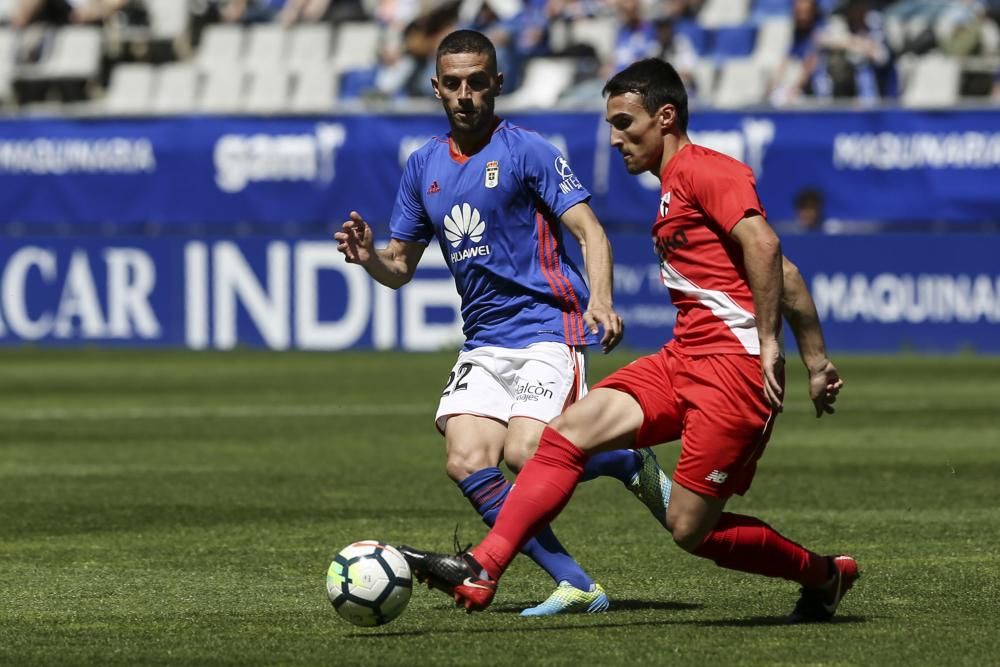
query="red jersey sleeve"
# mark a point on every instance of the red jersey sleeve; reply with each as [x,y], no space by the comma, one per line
[725,190]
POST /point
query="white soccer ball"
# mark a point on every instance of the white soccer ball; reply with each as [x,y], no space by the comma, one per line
[369,583]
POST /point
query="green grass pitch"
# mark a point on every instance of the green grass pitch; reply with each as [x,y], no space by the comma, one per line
[178,507]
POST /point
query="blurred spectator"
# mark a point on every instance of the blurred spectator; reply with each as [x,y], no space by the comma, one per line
[406,65]
[248,11]
[809,210]
[961,27]
[571,10]
[314,11]
[636,38]
[532,30]
[63,12]
[858,59]
[807,24]
[396,14]
[681,9]
[677,50]
[498,20]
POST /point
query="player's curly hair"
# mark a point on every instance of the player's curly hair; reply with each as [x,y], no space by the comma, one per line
[468,41]
[656,82]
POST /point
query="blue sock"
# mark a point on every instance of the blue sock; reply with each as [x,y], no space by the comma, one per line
[486,489]
[622,464]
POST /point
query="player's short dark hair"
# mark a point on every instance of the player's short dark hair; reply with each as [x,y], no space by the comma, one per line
[468,41]
[657,83]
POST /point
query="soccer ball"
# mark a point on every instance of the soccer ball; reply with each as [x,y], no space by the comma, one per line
[369,583]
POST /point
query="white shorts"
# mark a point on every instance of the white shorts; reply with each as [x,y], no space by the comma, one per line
[538,381]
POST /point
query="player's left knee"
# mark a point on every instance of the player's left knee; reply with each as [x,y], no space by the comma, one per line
[688,533]
[516,454]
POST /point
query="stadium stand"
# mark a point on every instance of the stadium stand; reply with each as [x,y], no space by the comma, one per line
[164,56]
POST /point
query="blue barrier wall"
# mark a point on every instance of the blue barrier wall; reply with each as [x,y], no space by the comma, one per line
[891,166]
[875,293]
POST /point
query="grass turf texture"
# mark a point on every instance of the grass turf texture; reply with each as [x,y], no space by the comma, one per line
[182,507]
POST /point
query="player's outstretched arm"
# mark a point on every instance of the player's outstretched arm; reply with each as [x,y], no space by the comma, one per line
[583,224]
[762,259]
[800,311]
[393,266]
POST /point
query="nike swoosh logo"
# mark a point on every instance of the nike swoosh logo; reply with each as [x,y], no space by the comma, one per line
[471,584]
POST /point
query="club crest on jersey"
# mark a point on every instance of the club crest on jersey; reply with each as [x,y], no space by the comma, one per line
[664,205]
[492,174]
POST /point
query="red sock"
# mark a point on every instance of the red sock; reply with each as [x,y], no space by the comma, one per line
[541,490]
[747,544]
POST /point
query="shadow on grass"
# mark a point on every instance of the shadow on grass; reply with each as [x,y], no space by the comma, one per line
[527,626]
[543,626]
[616,605]
[762,621]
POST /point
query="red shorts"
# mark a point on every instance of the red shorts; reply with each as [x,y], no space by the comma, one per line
[715,404]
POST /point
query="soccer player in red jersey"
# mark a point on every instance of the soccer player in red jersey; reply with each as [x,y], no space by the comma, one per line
[717,386]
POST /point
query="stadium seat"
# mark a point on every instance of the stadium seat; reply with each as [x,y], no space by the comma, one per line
[221,44]
[934,82]
[222,90]
[895,33]
[989,38]
[309,44]
[697,35]
[774,38]
[176,88]
[75,54]
[742,83]
[357,46]
[723,13]
[8,47]
[766,9]
[168,19]
[783,81]
[732,42]
[267,91]
[266,46]
[544,80]
[598,32]
[704,81]
[315,89]
[131,89]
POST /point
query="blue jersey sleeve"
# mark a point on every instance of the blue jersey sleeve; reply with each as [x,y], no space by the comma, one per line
[548,174]
[409,220]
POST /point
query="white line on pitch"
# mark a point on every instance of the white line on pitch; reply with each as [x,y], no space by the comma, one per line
[220,411]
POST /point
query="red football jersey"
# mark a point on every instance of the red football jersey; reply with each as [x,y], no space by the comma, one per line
[704,194]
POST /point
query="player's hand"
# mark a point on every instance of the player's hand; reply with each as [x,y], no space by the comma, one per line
[355,240]
[824,385]
[772,365]
[601,315]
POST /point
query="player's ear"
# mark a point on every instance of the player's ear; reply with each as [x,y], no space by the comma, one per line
[667,116]
[434,85]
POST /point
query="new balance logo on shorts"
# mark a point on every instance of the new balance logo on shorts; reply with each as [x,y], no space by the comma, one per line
[717,476]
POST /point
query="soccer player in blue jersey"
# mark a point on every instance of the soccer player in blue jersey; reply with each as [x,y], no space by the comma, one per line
[496,197]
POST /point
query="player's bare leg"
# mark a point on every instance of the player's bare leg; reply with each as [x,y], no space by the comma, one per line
[700,526]
[572,595]
[472,443]
[544,487]
[475,447]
